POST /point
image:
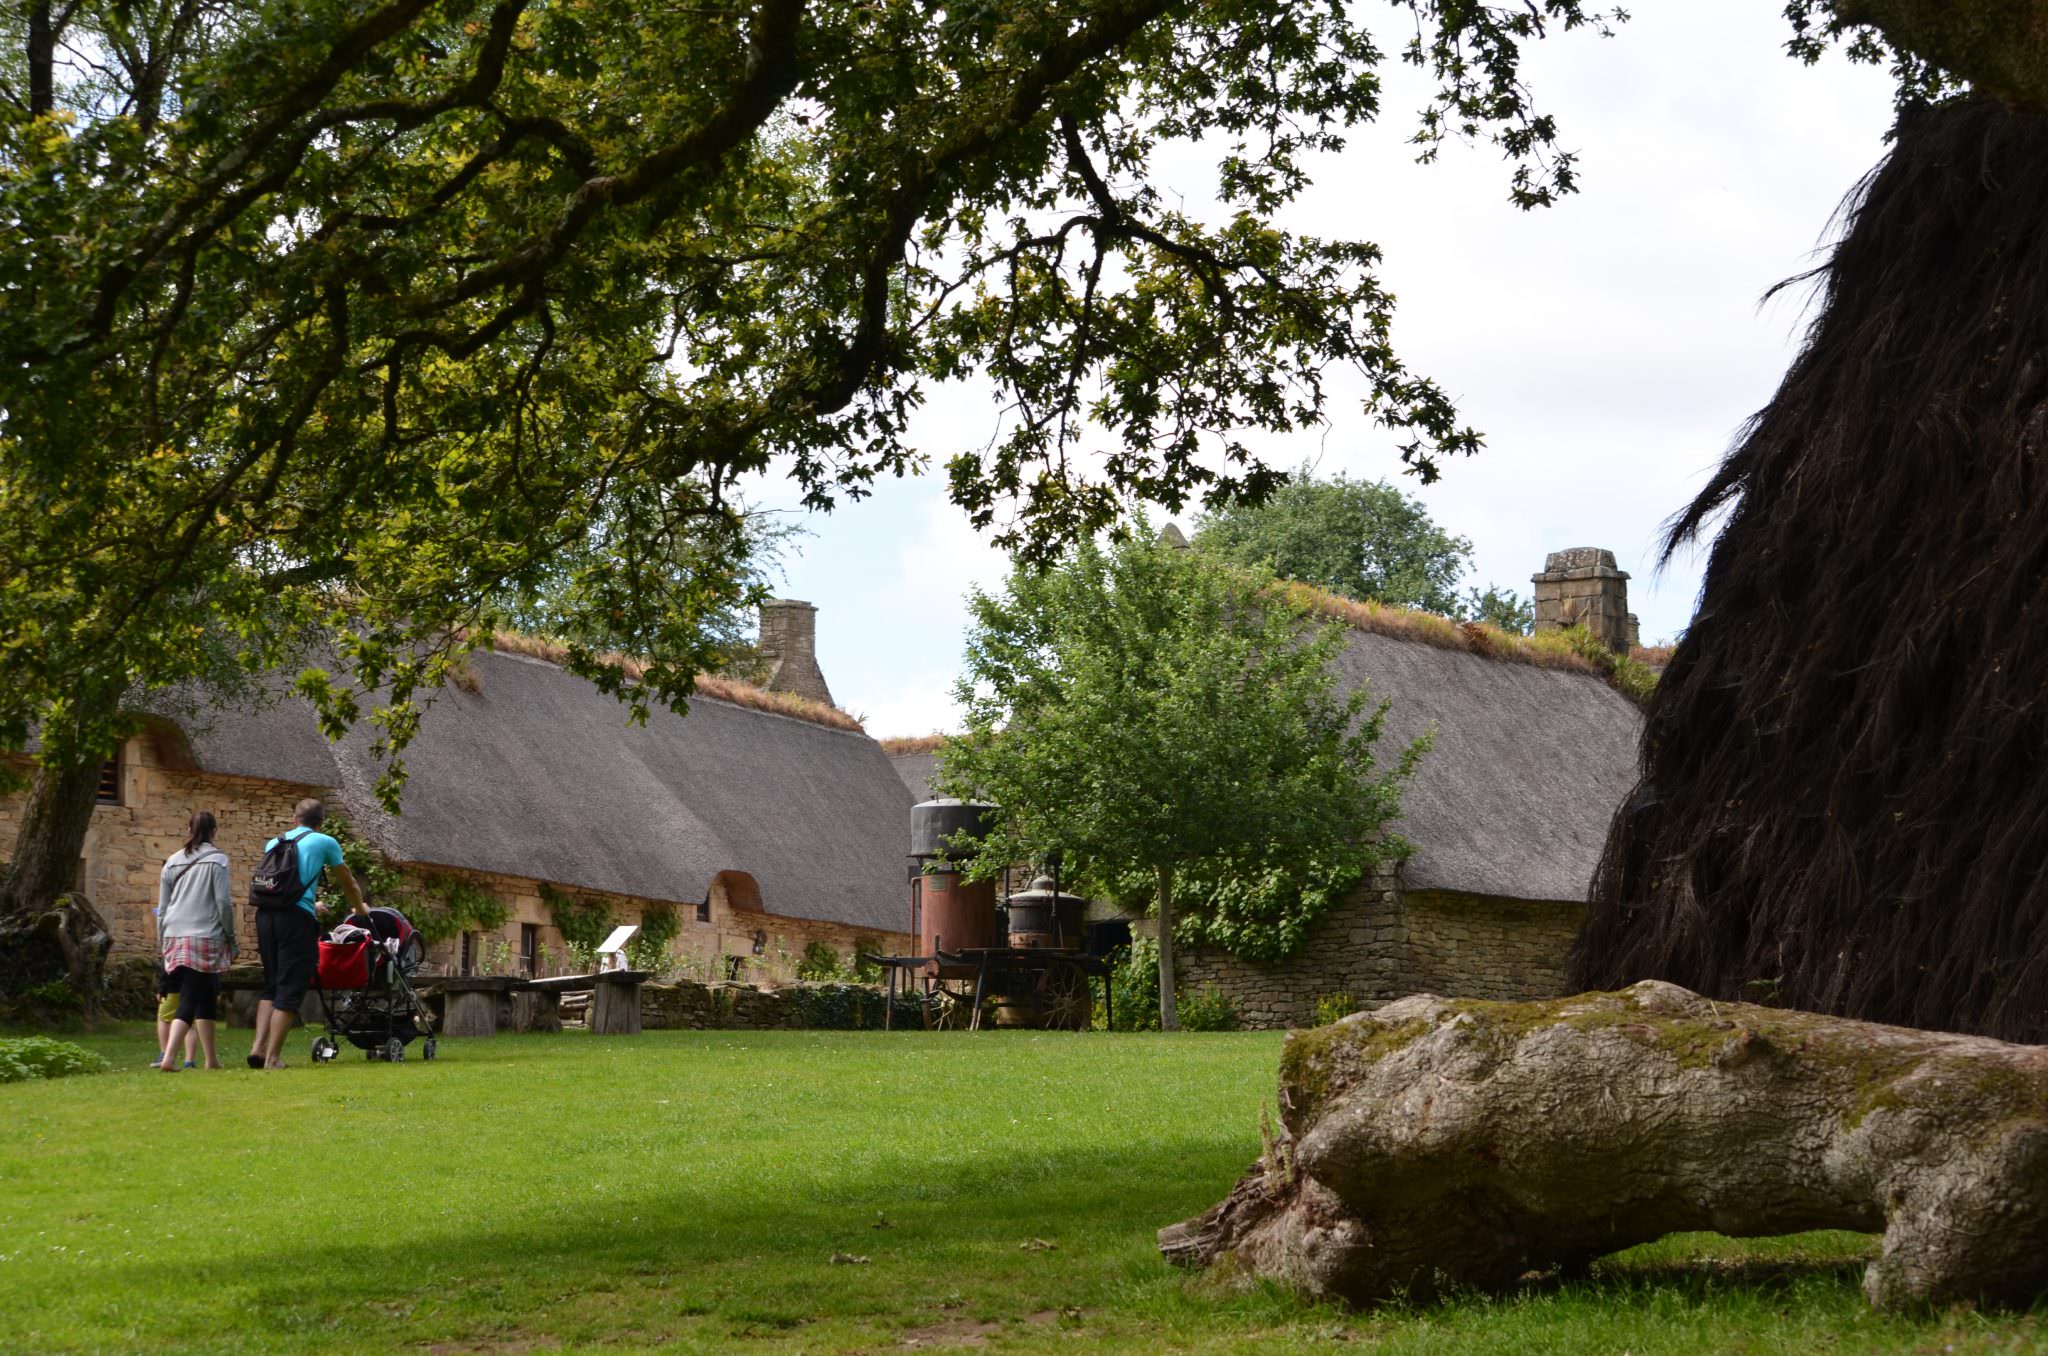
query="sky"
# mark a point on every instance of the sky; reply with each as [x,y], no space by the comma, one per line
[1608,348]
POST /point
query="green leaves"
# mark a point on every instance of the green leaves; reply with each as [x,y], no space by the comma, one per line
[1151,708]
[333,328]
[1361,539]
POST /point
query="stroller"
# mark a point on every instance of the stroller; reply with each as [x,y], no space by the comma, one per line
[365,985]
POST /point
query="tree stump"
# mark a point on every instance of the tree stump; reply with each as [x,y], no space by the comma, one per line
[1439,1143]
[615,1005]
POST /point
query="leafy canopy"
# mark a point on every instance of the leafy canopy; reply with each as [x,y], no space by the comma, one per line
[1362,539]
[332,319]
[1152,712]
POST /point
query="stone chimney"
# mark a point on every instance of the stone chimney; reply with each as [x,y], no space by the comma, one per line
[789,646]
[1582,587]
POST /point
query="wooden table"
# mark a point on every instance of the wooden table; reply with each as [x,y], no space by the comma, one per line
[614,998]
[472,1000]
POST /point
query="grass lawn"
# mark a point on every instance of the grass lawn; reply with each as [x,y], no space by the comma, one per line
[689,1191]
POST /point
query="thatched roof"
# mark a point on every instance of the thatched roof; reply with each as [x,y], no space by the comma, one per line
[537,774]
[1528,764]
[918,769]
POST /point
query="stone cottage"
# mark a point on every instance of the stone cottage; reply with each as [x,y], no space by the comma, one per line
[1506,815]
[762,829]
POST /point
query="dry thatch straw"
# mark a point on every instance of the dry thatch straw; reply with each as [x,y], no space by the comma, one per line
[1843,805]
[712,685]
[1572,650]
[902,744]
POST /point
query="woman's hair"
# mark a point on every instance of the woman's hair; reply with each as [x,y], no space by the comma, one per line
[202,830]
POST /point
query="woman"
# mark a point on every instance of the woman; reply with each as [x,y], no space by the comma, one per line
[198,931]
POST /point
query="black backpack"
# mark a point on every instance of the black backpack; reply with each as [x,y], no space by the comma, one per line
[276,884]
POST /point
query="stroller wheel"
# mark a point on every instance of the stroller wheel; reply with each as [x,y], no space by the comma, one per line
[394,1050]
[325,1051]
[427,1050]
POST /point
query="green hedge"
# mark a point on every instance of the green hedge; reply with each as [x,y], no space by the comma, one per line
[850,1007]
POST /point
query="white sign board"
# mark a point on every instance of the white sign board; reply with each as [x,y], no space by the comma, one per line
[613,952]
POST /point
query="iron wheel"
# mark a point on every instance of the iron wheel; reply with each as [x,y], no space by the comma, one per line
[1065,998]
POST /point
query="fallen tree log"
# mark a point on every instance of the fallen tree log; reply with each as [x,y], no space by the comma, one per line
[1437,1144]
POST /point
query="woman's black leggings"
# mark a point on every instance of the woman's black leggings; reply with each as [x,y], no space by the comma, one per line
[198,994]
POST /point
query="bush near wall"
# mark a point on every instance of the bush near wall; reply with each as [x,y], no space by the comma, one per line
[688,1005]
[849,1007]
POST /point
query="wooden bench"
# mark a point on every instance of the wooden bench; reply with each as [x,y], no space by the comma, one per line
[472,1000]
[614,1001]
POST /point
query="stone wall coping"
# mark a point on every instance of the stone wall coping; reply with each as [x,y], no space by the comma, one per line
[1578,572]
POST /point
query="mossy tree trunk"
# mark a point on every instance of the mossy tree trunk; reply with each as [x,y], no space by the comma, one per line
[47,929]
[1434,1144]
[53,826]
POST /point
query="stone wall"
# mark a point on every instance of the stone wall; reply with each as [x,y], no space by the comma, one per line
[1356,950]
[1474,946]
[127,843]
[1382,943]
[698,950]
[720,1007]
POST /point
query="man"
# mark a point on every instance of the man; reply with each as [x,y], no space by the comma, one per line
[288,939]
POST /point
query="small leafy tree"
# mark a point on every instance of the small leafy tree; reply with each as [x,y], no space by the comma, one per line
[1500,607]
[1154,709]
[1362,539]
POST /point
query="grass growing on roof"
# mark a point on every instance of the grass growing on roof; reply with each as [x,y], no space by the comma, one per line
[688,1191]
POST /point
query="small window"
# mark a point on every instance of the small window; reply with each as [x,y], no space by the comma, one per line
[529,948]
[704,909]
[468,953]
[110,781]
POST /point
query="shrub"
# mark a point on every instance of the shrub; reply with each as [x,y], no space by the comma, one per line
[1209,1010]
[649,948]
[819,962]
[850,1007]
[864,971]
[1332,1007]
[1135,972]
[50,1006]
[26,1057]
